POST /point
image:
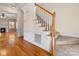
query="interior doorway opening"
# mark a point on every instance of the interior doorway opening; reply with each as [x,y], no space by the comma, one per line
[12,25]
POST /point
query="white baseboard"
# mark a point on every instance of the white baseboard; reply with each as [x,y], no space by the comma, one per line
[74,36]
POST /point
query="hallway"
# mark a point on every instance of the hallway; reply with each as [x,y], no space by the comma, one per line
[11,45]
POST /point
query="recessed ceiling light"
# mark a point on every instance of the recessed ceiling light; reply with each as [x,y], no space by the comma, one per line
[13,7]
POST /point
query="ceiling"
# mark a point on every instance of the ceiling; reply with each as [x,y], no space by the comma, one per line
[10,12]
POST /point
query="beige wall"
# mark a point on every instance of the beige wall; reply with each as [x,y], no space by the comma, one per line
[67,18]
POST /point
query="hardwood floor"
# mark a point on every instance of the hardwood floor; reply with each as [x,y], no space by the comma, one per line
[11,45]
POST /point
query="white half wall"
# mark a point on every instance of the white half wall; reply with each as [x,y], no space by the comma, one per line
[30,29]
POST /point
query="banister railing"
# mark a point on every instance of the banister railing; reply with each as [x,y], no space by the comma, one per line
[43,9]
[48,17]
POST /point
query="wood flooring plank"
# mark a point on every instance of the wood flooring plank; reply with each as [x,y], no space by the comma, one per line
[11,45]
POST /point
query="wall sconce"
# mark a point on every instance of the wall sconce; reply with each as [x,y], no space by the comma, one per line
[2,16]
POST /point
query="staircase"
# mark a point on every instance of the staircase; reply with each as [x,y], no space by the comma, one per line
[41,25]
[45,24]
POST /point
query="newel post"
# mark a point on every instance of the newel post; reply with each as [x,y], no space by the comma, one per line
[53,39]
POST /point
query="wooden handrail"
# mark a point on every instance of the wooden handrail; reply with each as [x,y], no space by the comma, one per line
[53,32]
[44,9]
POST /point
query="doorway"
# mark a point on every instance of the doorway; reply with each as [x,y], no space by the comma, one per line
[11,25]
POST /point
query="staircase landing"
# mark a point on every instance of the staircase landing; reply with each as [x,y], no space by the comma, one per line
[67,46]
